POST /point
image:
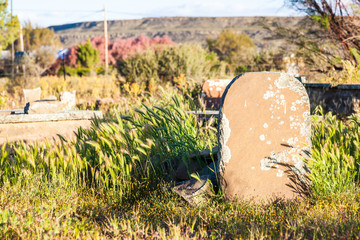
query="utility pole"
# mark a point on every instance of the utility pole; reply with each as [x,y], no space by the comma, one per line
[106,43]
[21,40]
[22,49]
[12,50]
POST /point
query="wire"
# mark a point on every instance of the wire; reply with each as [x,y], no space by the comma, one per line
[76,11]
[126,13]
[89,15]
[44,10]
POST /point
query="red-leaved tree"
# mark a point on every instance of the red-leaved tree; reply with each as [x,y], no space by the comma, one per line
[120,48]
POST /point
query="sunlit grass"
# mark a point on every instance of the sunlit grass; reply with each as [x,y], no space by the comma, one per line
[114,181]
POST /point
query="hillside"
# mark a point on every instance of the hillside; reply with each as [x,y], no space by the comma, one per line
[182,29]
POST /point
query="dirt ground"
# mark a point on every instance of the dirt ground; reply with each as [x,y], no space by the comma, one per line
[39,131]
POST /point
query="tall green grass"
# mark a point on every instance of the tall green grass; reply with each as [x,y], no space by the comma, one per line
[113,180]
[335,159]
[115,156]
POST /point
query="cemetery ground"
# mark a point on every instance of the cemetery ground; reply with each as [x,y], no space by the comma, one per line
[113,181]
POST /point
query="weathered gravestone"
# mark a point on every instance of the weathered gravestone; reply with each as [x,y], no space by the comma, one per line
[212,90]
[31,95]
[264,128]
[68,100]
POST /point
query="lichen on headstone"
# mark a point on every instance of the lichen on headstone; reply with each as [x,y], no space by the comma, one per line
[268,116]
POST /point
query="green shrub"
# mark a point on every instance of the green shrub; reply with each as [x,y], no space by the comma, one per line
[74,72]
[233,48]
[140,68]
[167,62]
[87,56]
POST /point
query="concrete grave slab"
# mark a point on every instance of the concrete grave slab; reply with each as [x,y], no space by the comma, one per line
[264,128]
[43,106]
[40,131]
[47,117]
[38,127]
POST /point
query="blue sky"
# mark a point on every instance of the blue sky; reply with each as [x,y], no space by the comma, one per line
[49,12]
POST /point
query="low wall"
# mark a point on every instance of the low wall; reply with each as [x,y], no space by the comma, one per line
[343,99]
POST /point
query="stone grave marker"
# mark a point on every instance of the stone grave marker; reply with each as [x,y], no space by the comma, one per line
[264,128]
[51,105]
[68,100]
[212,90]
[31,95]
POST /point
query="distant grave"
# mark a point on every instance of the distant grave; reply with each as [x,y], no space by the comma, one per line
[212,91]
[44,118]
[49,104]
[264,130]
[31,95]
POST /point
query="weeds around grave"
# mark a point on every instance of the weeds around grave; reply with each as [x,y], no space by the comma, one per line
[113,181]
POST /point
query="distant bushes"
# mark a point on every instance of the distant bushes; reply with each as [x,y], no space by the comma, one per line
[240,54]
[164,64]
[233,48]
[142,63]
[120,48]
[90,56]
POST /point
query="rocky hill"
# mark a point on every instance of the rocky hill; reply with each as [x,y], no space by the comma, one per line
[182,29]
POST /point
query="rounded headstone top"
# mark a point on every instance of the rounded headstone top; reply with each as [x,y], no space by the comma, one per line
[264,130]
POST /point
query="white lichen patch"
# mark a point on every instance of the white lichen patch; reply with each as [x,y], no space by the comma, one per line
[268,142]
[225,154]
[224,135]
[262,137]
[268,94]
[225,129]
[280,173]
[271,162]
[219,83]
[305,129]
[266,125]
[292,141]
[299,166]
[282,81]
[266,164]
[252,168]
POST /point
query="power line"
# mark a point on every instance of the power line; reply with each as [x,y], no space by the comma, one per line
[89,15]
[77,11]
[55,10]
[126,13]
